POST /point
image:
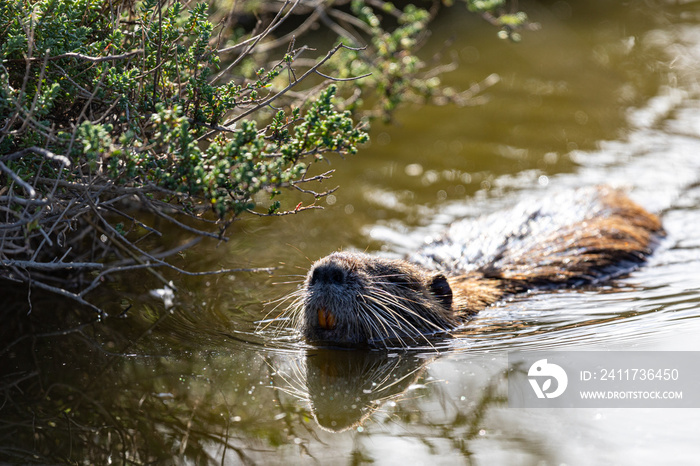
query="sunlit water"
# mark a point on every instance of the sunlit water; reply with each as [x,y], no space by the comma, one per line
[607,95]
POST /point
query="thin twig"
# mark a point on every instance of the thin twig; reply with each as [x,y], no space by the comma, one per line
[26,186]
[178,223]
[37,150]
[273,25]
[297,210]
[341,31]
[354,78]
[135,221]
[81,57]
[67,294]
[304,27]
[269,100]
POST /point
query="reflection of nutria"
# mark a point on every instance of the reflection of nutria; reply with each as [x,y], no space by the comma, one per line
[575,238]
[345,387]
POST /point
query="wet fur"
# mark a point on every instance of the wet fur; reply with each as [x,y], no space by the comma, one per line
[374,299]
[577,238]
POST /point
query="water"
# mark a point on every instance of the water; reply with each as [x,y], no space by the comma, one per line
[602,94]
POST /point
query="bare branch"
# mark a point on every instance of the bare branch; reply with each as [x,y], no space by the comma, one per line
[30,191]
[37,150]
[159,213]
[269,100]
[67,294]
[342,32]
[135,221]
[354,78]
[298,209]
[279,19]
[22,201]
[305,26]
[81,56]
[350,19]
[50,265]
[314,193]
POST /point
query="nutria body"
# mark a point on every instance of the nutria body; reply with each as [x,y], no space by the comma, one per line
[574,238]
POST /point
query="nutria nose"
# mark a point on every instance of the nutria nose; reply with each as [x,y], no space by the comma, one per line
[330,274]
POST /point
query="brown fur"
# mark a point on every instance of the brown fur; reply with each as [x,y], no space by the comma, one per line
[585,252]
[472,293]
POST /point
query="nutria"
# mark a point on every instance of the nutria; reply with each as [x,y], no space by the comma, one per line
[575,238]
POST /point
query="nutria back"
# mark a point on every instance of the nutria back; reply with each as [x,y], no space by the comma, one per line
[569,238]
[572,238]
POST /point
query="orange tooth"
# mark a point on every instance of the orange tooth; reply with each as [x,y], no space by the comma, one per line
[326,320]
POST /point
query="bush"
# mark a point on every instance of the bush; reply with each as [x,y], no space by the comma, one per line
[106,105]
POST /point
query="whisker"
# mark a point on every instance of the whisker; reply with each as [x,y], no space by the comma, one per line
[291,282]
[296,295]
[397,317]
[416,332]
[395,300]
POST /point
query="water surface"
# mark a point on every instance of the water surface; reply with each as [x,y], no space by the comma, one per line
[603,93]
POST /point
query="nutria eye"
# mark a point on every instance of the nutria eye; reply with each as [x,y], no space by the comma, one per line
[441,290]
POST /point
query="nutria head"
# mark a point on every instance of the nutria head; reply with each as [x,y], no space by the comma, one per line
[357,299]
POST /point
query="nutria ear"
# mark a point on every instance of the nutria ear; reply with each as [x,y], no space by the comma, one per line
[441,290]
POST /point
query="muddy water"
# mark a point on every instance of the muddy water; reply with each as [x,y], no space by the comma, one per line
[603,93]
